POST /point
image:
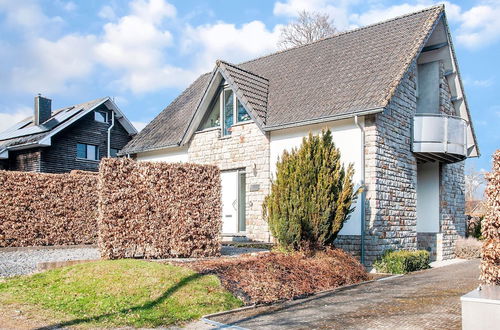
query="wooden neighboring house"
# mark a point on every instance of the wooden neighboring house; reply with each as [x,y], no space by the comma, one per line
[71,138]
[391,94]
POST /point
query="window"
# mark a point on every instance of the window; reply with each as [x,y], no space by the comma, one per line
[228,112]
[225,111]
[213,119]
[101,117]
[87,151]
[113,152]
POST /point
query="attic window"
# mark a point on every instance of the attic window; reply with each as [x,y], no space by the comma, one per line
[100,116]
[227,107]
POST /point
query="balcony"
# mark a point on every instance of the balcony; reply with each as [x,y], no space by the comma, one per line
[439,137]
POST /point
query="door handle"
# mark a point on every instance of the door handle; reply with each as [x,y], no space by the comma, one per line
[229,215]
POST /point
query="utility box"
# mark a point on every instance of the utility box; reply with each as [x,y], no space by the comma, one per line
[481,308]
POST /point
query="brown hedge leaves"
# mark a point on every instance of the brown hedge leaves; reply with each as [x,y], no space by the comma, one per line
[47,209]
[158,210]
[490,265]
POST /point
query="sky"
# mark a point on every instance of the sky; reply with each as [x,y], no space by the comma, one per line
[143,53]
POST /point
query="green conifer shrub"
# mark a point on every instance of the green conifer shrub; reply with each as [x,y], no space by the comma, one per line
[311,196]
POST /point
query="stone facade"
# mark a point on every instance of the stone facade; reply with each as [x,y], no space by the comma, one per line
[391,174]
[452,206]
[246,148]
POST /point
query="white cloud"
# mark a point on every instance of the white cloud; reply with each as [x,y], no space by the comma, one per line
[479,82]
[480,26]
[228,42]
[139,125]
[153,10]
[8,119]
[107,13]
[136,48]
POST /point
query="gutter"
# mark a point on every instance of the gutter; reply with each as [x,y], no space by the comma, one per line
[363,191]
[109,132]
[324,119]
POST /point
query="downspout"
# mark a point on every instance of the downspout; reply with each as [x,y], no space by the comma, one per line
[363,191]
[109,132]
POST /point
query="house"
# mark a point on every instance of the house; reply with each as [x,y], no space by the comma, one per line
[71,138]
[392,96]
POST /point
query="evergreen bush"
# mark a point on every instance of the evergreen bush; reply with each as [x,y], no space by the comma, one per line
[402,261]
[311,196]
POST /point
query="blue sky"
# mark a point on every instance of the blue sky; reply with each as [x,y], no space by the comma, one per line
[145,52]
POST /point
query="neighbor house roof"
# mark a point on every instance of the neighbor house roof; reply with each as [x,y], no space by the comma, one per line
[25,134]
[354,72]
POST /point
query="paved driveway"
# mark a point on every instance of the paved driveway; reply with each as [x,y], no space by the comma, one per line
[428,299]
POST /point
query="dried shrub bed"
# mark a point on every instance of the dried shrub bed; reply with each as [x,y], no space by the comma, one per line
[47,209]
[468,248]
[158,210]
[275,276]
[490,264]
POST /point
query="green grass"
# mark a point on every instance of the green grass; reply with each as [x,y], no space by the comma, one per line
[120,293]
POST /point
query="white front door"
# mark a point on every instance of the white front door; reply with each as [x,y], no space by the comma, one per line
[229,182]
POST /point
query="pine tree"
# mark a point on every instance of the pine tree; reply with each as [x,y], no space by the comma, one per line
[311,196]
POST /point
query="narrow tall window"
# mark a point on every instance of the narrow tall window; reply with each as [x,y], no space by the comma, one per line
[228,112]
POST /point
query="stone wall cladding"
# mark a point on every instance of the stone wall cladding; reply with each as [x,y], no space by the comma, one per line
[391,174]
[246,148]
[428,242]
[452,206]
[349,243]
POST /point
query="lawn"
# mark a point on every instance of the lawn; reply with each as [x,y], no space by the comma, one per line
[118,293]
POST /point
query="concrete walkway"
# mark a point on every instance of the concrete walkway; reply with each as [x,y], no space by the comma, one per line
[428,299]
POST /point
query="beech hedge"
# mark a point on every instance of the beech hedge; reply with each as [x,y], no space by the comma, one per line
[490,263]
[158,210]
[38,209]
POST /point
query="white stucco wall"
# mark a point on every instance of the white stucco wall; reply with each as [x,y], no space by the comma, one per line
[428,198]
[173,155]
[347,138]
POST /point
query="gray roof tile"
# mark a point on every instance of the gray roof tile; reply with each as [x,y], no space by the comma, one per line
[348,73]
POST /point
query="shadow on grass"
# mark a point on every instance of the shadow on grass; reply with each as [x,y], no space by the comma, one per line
[145,306]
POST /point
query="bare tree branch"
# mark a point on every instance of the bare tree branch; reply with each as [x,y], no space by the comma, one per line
[308,27]
[473,181]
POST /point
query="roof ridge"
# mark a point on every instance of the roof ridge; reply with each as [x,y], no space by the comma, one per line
[239,68]
[440,6]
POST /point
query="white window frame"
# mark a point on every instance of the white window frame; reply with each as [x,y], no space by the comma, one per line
[235,110]
[103,113]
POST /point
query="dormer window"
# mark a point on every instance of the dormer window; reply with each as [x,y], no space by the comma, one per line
[227,107]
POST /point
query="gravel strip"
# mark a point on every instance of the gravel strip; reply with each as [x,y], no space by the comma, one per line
[24,262]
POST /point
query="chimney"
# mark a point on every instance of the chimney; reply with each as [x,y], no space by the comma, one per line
[43,109]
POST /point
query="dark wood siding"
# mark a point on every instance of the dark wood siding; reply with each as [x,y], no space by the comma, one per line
[25,160]
[61,156]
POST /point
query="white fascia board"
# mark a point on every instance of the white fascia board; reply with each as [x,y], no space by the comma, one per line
[212,87]
[129,127]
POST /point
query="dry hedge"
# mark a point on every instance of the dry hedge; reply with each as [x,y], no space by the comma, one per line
[158,210]
[490,264]
[47,209]
[276,276]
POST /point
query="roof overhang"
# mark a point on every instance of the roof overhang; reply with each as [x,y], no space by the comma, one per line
[324,119]
[439,46]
